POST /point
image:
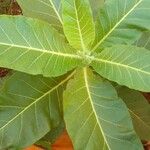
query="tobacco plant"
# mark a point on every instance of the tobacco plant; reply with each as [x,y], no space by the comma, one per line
[78,65]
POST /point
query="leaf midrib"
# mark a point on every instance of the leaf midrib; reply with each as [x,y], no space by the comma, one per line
[79,28]
[121,65]
[116,25]
[26,108]
[90,98]
[42,50]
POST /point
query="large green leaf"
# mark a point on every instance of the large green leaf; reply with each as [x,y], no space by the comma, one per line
[144,40]
[121,22]
[47,10]
[32,46]
[126,65]
[78,23]
[30,106]
[95,117]
[139,109]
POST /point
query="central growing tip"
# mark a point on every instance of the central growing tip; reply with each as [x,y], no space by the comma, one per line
[86,56]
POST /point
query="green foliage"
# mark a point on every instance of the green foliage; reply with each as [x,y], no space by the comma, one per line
[96,5]
[65,53]
[121,22]
[47,10]
[126,65]
[51,136]
[78,23]
[139,109]
[144,40]
[30,107]
[104,122]
[36,42]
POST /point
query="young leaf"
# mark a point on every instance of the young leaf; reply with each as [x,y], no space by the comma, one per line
[95,117]
[32,46]
[139,109]
[78,23]
[30,107]
[47,10]
[126,65]
[121,21]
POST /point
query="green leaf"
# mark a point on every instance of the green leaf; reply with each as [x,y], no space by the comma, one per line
[44,144]
[127,65]
[95,117]
[1,82]
[144,40]
[30,106]
[47,10]
[121,22]
[139,109]
[78,23]
[51,136]
[34,47]
[96,5]
[54,133]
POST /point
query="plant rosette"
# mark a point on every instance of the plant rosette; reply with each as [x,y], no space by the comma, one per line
[78,65]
